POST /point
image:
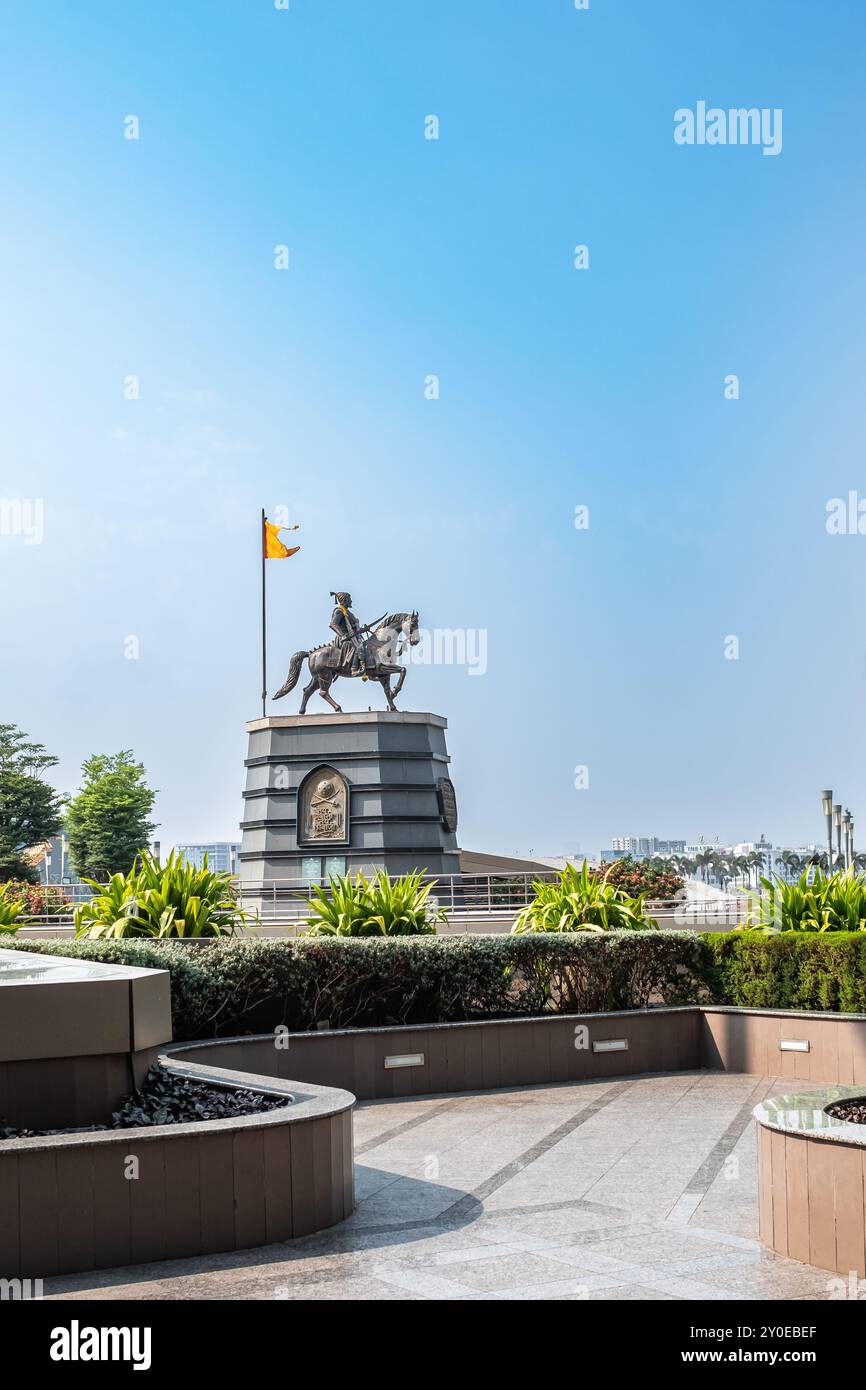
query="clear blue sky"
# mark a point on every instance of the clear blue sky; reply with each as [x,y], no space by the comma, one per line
[559,387]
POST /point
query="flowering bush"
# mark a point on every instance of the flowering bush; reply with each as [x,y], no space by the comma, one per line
[642,876]
[38,899]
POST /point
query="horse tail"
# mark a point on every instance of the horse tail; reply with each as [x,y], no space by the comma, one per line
[295,665]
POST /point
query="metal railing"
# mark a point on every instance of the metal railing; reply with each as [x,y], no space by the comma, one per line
[463,896]
[488,895]
[459,894]
[75,892]
[707,914]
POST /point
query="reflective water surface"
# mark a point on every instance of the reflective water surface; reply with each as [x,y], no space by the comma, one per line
[24,967]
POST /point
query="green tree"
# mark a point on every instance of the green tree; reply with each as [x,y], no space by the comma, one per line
[743,866]
[757,862]
[703,860]
[108,819]
[791,864]
[30,808]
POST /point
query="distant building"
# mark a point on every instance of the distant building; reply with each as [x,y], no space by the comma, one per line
[51,861]
[222,855]
[773,854]
[641,847]
[743,848]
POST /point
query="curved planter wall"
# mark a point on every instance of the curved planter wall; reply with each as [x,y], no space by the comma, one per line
[67,1203]
[811,1176]
[113,1197]
[381,1063]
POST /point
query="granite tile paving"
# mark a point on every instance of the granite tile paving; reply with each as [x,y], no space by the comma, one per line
[636,1188]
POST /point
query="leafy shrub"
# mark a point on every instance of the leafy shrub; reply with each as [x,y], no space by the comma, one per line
[223,988]
[11,908]
[579,901]
[381,906]
[644,877]
[170,899]
[830,903]
[790,970]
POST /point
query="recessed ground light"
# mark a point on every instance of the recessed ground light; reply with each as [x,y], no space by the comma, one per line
[611,1045]
[407,1059]
[794,1045]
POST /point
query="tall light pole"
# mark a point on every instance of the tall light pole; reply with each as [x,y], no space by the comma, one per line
[852,841]
[846,822]
[837,819]
[827,803]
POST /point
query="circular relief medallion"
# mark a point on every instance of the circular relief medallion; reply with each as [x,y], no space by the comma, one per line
[447,803]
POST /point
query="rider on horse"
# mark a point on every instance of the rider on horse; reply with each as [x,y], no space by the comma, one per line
[369,650]
[348,629]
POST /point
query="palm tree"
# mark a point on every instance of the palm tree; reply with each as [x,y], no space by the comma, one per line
[717,865]
[703,861]
[743,867]
[756,862]
[790,863]
[726,868]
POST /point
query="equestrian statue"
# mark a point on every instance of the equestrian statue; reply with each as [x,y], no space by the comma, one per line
[369,650]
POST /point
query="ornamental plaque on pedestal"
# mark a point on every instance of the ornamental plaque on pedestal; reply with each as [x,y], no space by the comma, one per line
[323,808]
[339,793]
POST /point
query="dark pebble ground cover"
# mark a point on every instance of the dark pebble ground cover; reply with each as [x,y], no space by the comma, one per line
[854,1111]
[168,1100]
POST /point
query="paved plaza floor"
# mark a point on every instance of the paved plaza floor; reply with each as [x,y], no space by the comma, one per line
[641,1188]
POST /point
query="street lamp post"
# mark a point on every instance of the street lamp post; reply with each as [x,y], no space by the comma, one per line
[837,818]
[827,804]
[852,841]
[846,822]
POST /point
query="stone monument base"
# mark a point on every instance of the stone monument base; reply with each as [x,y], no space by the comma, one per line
[339,793]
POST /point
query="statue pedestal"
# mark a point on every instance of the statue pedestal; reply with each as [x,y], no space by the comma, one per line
[338,793]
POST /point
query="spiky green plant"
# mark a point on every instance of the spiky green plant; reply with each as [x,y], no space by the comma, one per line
[831,902]
[380,906]
[11,909]
[578,901]
[170,899]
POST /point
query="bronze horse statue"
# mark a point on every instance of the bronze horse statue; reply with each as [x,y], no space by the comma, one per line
[334,659]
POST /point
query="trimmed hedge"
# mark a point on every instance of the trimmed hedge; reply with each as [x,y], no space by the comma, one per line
[822,971]
[226,987]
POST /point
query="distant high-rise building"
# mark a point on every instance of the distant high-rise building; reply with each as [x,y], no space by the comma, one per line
[642,846]
[222,855]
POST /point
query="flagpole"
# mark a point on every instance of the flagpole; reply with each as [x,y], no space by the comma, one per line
[264,623]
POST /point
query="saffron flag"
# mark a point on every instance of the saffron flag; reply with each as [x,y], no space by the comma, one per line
[273,546]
